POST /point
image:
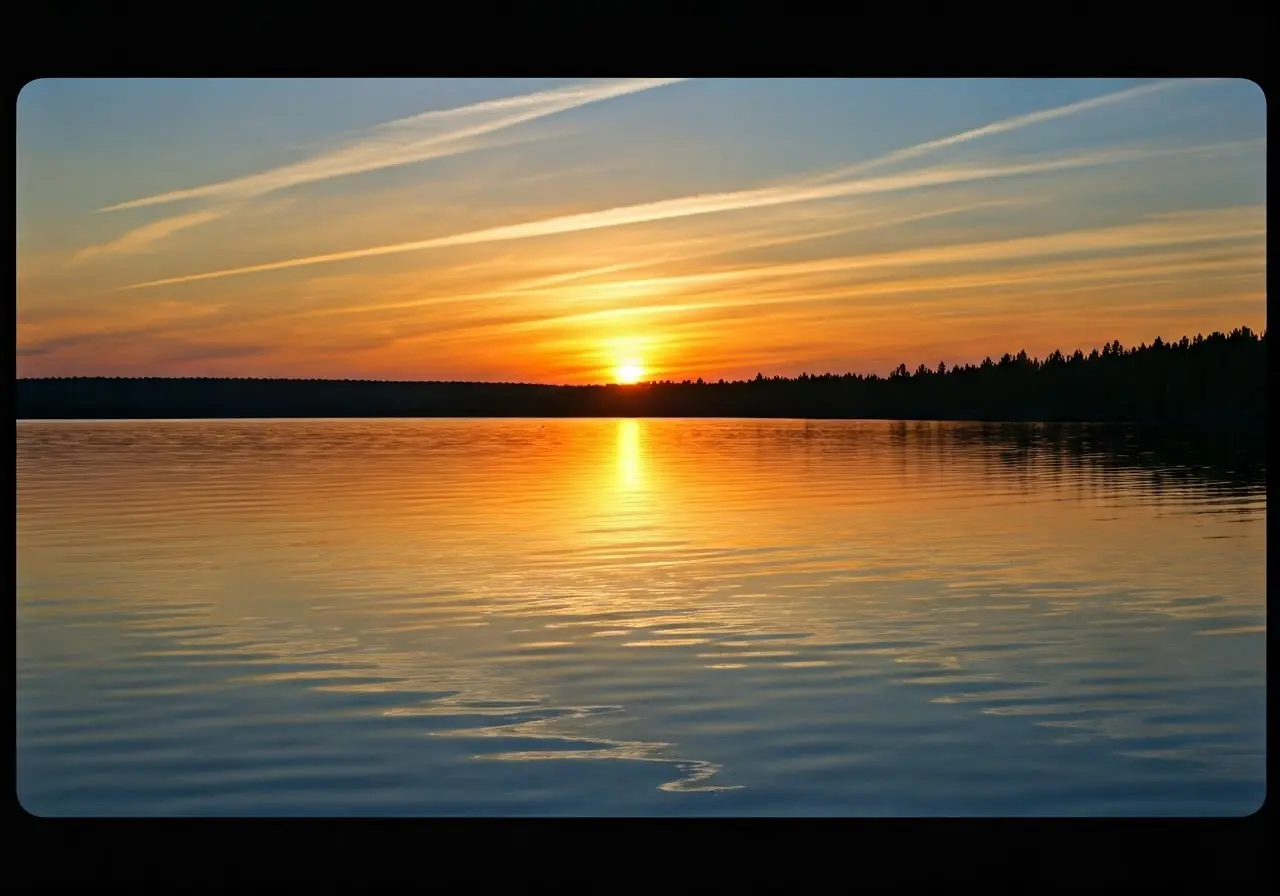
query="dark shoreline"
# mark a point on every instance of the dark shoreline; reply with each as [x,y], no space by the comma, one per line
[178,399]
[1215,382]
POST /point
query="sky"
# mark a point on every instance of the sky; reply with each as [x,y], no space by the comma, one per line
[581,231]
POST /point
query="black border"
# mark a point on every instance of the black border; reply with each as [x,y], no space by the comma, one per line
[602,40]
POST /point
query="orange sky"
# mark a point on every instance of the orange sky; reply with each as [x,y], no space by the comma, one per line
[558,231]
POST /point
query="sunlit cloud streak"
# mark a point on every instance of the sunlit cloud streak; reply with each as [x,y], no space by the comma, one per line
[1210,226]
[1165,248]
[418,138]
[146,236]
[447,132]
[709,204]
[807,283]
[429,135]
[1006,125]
[553,284]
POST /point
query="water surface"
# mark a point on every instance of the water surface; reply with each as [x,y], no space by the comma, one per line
[655,617]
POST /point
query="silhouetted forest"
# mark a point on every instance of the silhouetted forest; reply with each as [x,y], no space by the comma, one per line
[1220,379]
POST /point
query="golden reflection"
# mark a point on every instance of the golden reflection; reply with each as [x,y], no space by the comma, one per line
[630,462]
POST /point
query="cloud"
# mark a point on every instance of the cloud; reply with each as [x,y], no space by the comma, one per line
[419,138]
[1189,248]
[96,338]
[429,135]
[746,290]
[1209,226]
[704,204]
[145,237]
[1005,125]
[552,285]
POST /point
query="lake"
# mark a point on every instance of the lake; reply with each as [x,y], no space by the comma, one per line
[634,617]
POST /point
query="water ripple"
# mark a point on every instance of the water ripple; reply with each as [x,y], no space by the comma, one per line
[747,617]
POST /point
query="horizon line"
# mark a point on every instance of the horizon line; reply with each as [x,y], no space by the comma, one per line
[706,381]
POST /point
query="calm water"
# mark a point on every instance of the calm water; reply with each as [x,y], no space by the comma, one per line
[588,617]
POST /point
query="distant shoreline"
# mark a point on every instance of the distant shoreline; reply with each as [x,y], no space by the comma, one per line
[1228,424]
[227,399]
[1215,381]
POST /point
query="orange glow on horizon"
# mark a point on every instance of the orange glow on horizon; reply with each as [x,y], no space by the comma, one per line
[625,258]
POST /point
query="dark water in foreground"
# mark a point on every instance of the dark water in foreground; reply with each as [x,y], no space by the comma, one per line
[656,617]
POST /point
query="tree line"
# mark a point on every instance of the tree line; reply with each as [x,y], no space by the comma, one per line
[1216,379]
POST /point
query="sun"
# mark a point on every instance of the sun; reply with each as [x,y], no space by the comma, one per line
[629,372]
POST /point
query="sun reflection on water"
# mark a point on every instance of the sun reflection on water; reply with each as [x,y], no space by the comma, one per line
[630,460]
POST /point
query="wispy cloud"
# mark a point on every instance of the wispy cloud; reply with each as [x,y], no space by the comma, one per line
[1006,125]
[430,135]
[1130,254]
[998,275]
[715,248]
[1210,226]
[705,204]
[419,138]
[547,287]
[145,237]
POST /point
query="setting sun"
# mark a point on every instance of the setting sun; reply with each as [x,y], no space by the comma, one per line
[629,372]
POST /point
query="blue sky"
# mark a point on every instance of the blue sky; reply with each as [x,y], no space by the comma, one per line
[507,229]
